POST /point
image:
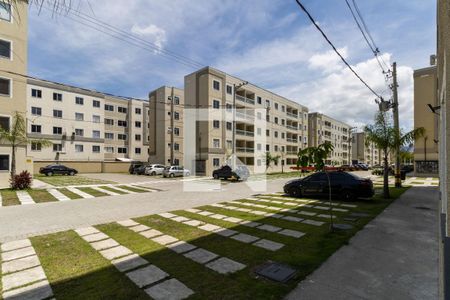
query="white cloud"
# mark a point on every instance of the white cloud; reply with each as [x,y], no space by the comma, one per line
[156,34]
[327,62]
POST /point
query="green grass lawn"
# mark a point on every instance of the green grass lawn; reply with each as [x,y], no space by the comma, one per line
[76,270]
[70,194]
[40,196]
[108,188]
[92,192]
[9,198]
[63,180]
[133,189]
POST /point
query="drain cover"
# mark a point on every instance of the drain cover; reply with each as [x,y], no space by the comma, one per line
[342,226]
[276,271]
[359,215]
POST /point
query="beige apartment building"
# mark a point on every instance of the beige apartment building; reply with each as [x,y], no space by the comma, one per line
[426,148]
[323,128]
[265,122]
[166,130]
[362,153]
[13,59]
[84,126]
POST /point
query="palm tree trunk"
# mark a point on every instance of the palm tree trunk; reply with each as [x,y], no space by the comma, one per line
[386,193]
[13,160]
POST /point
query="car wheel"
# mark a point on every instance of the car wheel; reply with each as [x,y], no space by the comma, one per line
[348,195]
[188,174]
[171,175]
[49,174]
[296,193]
[153,173]
[216,176]
[72,173]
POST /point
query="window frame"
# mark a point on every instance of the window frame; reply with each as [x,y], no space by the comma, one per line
[11,51]
[77,100]
[8,156]
[11,8]
[55,98]
[10,95]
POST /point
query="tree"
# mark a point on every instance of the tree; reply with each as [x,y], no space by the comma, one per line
[383,135]
[271,159]
[16,136]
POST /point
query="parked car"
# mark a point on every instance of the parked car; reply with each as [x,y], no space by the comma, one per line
[174,171]
[140,170]
[154,169]
[226,172]
[345,185]
[135,165]
[346,168]
[57,170]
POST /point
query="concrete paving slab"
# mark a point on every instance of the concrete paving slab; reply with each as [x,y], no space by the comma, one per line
[151,233]
[15,245]
[272,215]
[20,264]
[259,212]
[181,247]
[18,253]
[340,209]
[210,227]
[201,256]
[292,219]
[129,262]
[233,220]
[307,213]
[194,223]
[165,239]
[250,223]
[95,237]
[268,245]
[321,207]
[86,231]
[58,195]
[107,192]
[80,193]
[171,289]
[105,244]
[180,219]
[139,228]
[269,228]
[24,198]
[167,215]
[292,233]
[193,210]
[313,222]
[326,216]
[121,189]
[225,265]
[128,223]
[36,291]
[146,275]
[21,278]
[116,252]
[217,216]
[226,232]
[243,209]
[245,238]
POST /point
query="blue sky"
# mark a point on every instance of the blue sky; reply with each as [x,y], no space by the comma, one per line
[267,42]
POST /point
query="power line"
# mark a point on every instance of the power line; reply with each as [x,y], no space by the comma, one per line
[334,48]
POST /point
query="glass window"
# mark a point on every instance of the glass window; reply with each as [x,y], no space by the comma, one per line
[4,123]
[79,116]
[216,143]
[259,100]
[176,100]
[137,111]
[96,149]
[122,109]
[122,123]
[176,131]
[122,137]
[137,124]
[57,130]
[96,103]
[176,115]
[137,150]
[79,101]
[229,126]
[79,132]
[36,111]
[109,149]
[4,162]
[109,135]
[137,137]
[79,148]
[5,11]
[216,162]
[57,113]
[216,85]
[57,97]
[229,89]
[5,49]
[216,124]
[122,150]
[36,146]
[36,128]
[57,147]
[109,121]
[109,107]
[96,134]
[5,86]
[96,119]
[216,104]
[176,147]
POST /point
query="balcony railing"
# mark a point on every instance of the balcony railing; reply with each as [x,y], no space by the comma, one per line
[291,152]
[244,99]
[292,115]
[244,132]
[291,127]
[244,116]
[291,140]
[245,150]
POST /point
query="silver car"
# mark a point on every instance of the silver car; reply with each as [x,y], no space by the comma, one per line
[174,171]
[154,169]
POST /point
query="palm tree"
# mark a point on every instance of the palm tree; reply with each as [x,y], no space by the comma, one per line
[271,159]
[383,135]
[16,136]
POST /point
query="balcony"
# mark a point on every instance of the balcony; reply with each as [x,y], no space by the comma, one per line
[244,116]
[291,140]
[244,132]
[291,152]
[292,115]
[245,150]
[244,99]
[291,127]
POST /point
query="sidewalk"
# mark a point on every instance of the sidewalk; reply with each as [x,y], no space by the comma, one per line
[393,257]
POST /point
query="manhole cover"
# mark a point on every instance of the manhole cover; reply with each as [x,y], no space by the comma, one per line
[276,271]
[359,214]
[342,226]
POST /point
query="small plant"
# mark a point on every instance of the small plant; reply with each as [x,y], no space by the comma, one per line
[21,181]
[378,172]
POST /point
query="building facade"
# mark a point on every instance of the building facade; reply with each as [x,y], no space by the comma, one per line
[13,60]
[323,128]
[362,153]
[166,126]
[264,123]
[426,148]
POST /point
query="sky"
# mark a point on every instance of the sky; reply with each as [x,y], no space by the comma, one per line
[270,43]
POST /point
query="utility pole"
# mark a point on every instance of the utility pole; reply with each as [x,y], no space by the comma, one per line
[398,181]
[172,98]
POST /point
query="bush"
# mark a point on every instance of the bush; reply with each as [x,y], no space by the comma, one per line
[21,181]
[377,172]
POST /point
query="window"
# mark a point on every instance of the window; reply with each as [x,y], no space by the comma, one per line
[96,134]
[109,107]
[35,93]
[267,132]
[138,124]
[258,163]
[275,148]
[79,132]
[122,123]
[36,128]
[229,126]
[267,103]
[4,123]
[109,122]
[258,115]
[57,147]
[79,117]
[5,11]
[176,131]
[216,104]
[229,144]
[283,108]
[267,147]
[4,162]
[109,149]
[176,100]
[109,135]
[36,111]
[282,135]
[216,85]
[57,113]
[258,100]
[276,106]
[122,109]
[176,161]
[137,137]
[122,150]
[5,87]
[96,103]
[36,146]
[79,101]
[216,161]
[216,124]
[122,137]
[137,111]
[276,134]
[258,147]
[137,150]
[229,89]
[96,119]
[57,130]
[275,120]
[95,149]
[57,97]
[283,122]
[267,118]
[176,147]
[228,107]
[258,131]
[216,143]
[5,49]
[79,148]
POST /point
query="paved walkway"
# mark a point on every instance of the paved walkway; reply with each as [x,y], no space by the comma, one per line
[393,257]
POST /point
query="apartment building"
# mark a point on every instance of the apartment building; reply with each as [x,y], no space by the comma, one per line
[13,59]
[323,128]
[84,125]
[362,153]
[426,148]
[166,119]
[265,122]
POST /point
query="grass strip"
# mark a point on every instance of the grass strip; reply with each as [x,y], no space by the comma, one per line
[41,196]
[64,180]
[9,198]
[108,188]
[70,194]
[133,189]
[92,192]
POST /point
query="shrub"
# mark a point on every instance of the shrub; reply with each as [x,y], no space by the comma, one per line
[21,181]
[377,172]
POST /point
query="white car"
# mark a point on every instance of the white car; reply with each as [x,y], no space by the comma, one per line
[174,171]
[154,169]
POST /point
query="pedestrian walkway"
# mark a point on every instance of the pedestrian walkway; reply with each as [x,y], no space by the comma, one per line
[24,198]
[394,257]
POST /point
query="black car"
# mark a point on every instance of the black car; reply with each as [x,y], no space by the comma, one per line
[140,170]
[345,185]
[134,166]
[57,170]
[226,172]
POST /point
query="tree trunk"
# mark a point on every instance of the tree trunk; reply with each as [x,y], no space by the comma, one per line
[386,193]
[13,161]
